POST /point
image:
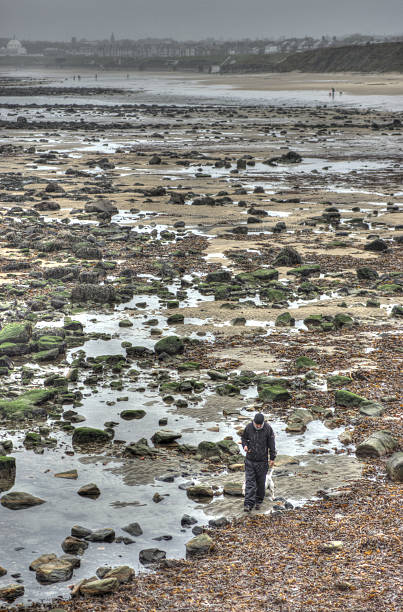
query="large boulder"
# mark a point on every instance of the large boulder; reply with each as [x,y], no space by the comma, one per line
[26,404]
[377,245]
[7,468]
[89,490]
[199,492]
[208,449]
[165,436]
[122,573]
[90,435]
[367,273]
[46,558]
[274,393]
[133,529]
[200,545]
[172,345]
[351,400]
[148,556]
[378,444]
[16,333]
[99,587]
[287,257]
[74,546]
[218,276]
[298,420]
[102,535]
[102,294]
[19,501]
[394,467]
[285,320]
[58,570]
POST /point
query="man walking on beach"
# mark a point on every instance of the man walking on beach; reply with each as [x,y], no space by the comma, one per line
[257,441]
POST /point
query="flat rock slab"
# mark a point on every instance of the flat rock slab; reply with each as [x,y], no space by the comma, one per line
[20,501]
[99,587]
[70,475]
[54,571]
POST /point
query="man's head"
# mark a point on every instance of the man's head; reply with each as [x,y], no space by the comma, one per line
[258,421]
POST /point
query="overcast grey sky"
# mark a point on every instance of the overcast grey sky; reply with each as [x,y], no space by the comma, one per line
[196,19]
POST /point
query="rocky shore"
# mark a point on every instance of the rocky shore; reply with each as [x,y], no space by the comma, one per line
[165,272]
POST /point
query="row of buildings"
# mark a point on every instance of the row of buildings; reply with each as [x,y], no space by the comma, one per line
[168,48]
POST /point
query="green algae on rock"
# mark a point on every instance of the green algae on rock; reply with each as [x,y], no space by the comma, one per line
[16,333]
[172,345]
[27,404]
[274,393]
[86,435]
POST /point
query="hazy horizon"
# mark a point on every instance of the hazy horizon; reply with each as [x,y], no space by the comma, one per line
[54,20]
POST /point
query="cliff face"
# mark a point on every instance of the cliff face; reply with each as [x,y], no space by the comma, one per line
[383,57]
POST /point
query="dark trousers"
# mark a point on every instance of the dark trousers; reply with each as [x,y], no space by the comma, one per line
[255,482]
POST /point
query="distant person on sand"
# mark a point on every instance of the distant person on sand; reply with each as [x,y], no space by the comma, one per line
[257,441]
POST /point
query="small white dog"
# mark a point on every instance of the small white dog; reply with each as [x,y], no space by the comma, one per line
[269,485]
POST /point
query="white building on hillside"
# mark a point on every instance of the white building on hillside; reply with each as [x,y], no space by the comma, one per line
[13,47]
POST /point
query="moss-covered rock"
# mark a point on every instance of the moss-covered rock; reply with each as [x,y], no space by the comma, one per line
[348,399]
[218,276]
[265,275]
[390,288]
[338,381]
[228,389]
[26,404]
[172,345]
[343,320]
[305,271]
[287,257]
[397,311]
[229,447]
[16,333]
[188,365]
[367,273]
[274,295]
[46,355]
[88,435]
[305,363]
[51,342]
[274,394]
[208,449]
[129,415]
[175,318]
[7,467]
[285,320]
[14,349]
[319,322]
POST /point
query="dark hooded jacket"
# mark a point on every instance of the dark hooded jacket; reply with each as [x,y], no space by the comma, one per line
[259,442]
